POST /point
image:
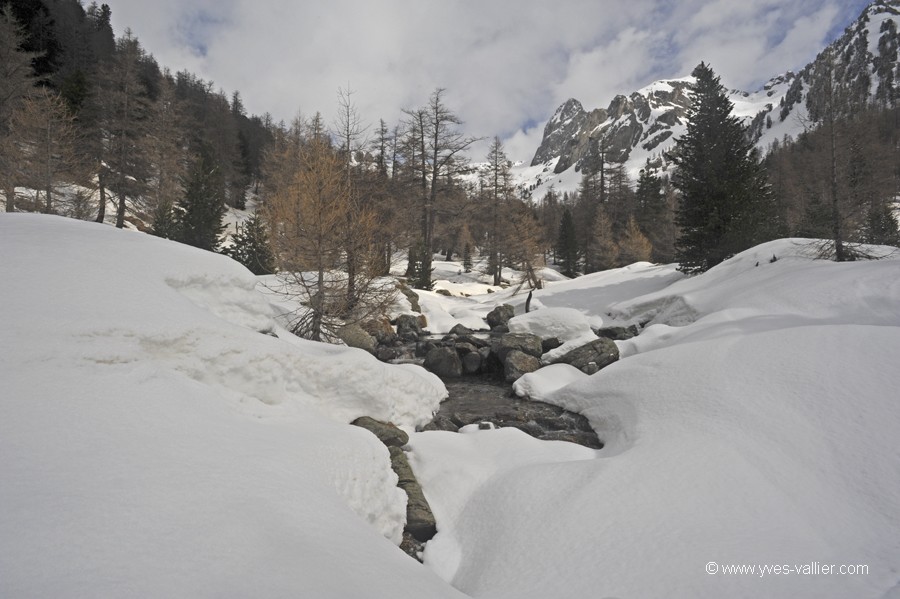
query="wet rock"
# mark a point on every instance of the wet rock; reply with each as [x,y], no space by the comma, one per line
[387,433]
[420,521]
[500,315]
[580,437]
[518,363]
[617,333]
[593,356]
[463,348]
[441,423]
[460,330]
[549,344]
[471,363]
[408,328]
[444,362]
[523,342]
[474,400]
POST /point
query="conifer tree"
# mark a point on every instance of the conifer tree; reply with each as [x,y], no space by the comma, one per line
[251,247]
[203,205]
[726,203]
[567,245]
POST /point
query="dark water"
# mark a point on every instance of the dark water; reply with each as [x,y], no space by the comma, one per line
[475,399]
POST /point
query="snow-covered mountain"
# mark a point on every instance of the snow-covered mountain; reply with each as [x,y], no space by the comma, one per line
[643,125]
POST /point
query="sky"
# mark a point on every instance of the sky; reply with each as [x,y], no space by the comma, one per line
[505,66]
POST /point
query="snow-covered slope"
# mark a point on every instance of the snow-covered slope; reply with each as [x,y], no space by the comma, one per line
[753,424]
[155,443]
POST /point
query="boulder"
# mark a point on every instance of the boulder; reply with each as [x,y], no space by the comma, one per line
[354,336]
[408,327]
[381,329]
[460,330]
[420,521]
[617,333]
[471,363]
[444,362]
[523,342]
[593,356]
[476,341]
[387,433]
[463,348]
[500,315]
[518,363]
[550,343]
[412,297]
[441,423]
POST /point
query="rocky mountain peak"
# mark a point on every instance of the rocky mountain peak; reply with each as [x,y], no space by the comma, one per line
[863,66]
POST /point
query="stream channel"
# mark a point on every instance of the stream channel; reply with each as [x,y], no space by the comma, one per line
[483,399]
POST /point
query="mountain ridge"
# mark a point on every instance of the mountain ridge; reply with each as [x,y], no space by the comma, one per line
[636,130]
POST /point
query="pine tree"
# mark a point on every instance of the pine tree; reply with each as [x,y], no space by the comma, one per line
[165,220]
[726,203]
[567,245]
[203,205]
[251,247]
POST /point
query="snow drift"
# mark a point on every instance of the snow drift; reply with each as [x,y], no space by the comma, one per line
[156,444]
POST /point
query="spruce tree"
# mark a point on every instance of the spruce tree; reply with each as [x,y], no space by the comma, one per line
[250,246]
[203,205]
[726,203]
[567,245]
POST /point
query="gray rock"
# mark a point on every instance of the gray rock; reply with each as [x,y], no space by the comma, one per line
[420,521]
[444,362]
[593,356]
[550,343]
[354,336]
[518,363]
[500,315]
[471,363]
[523,342]
[387,433]
[460,330]
[441,423]
[463,348]
[476,341]
[412,296]
[618,333]
[408,327]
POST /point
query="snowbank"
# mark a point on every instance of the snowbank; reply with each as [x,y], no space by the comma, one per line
[753,424]
[156,443]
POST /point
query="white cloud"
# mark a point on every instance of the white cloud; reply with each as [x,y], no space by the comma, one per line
[506,67]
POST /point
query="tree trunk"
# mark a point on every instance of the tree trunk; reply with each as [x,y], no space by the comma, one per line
[120,211]
[10,196]
[101,211]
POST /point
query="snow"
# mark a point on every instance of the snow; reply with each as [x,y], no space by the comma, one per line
[157,443]
[756,428]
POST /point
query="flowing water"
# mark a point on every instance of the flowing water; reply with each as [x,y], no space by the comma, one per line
[481,400]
